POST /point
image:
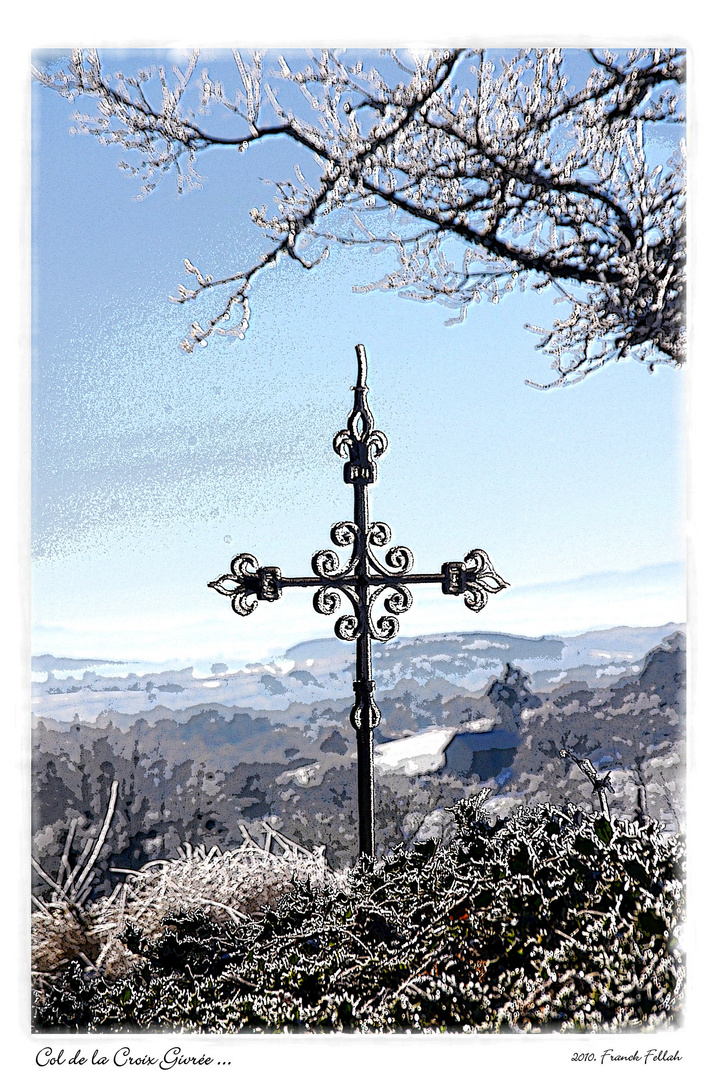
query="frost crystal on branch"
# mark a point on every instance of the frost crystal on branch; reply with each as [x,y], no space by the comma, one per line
[482,171]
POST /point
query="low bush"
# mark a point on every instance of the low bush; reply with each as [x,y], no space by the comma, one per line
[549,919]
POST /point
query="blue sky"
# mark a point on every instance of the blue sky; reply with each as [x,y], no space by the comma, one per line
[151,468]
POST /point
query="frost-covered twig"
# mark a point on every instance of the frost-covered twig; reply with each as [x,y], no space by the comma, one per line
[601,784]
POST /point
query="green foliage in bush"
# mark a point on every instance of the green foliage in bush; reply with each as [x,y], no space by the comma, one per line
[550,919]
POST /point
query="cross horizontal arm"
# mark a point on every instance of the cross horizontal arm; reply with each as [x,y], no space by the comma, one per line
[371,579]
[269,582]
[303,582]
[249,582]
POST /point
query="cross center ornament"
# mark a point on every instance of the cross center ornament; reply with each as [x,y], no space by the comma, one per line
[361,580]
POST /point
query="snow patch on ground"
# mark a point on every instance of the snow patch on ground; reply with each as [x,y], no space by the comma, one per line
[415,754]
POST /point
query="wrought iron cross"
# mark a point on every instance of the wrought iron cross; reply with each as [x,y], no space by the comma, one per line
[362,579]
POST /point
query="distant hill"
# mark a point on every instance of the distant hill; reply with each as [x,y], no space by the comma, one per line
[458,715]
[47,662]
[315,673]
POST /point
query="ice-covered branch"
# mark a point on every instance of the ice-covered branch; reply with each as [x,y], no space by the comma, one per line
[481,171]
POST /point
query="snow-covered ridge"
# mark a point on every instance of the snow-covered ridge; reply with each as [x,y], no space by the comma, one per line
[70,690]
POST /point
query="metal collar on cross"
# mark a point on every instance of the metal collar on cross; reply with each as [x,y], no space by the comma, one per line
[361,580]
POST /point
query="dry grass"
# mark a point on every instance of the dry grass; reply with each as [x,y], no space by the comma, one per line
[229,885]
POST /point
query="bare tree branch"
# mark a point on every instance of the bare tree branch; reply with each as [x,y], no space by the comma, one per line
[515,177]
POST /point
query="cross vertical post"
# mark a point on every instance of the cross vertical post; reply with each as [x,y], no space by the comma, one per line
[360,471]
[361,580]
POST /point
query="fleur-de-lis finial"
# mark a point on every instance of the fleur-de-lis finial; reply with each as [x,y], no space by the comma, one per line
[360,441]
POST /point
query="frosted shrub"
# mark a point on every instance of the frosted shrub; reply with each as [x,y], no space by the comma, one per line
[553,918]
